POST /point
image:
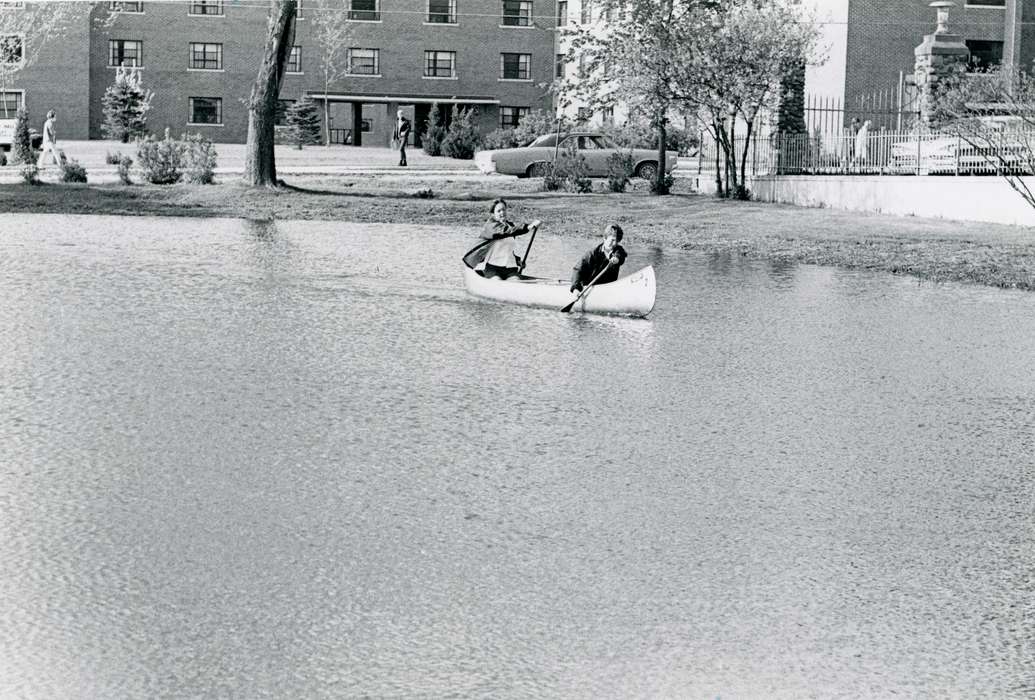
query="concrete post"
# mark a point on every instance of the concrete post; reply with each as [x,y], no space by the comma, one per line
[941,54]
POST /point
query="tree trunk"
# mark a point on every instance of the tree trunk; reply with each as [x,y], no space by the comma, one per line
[260,165]
[326,119]
[659,179]
[743,161]
[718,163]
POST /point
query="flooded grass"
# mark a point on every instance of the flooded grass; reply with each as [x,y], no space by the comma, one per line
[930,249]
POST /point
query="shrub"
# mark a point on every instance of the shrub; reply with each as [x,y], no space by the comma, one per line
[73,171]
[619,170]
[666,184]
[160,162]
[461,138]
[499,138]
[427,193]
[30,174]
[21,149]
[303,121]
[200,159]
[531,126]
[126,104]
[435,133]
[125,162]
[638,133]
[112,158]
[569,173]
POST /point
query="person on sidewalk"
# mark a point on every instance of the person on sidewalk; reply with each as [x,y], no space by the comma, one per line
[401,135]
[49,141]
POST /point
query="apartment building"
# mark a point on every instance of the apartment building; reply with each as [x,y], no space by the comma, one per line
[200,58]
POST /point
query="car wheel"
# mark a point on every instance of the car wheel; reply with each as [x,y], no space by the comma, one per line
[648,170]
[539,169]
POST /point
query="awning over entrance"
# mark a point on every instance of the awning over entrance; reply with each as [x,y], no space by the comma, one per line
[404,99]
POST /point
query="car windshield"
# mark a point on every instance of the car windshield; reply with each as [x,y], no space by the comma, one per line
[545,140]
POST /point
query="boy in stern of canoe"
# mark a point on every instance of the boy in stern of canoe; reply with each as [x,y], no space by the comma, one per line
[501,261]
[607,254]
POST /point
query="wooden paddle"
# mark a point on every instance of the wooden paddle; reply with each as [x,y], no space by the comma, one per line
[521,267]
[567,308]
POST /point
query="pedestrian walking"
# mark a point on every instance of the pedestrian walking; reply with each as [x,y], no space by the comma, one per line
[401,135]
[49,141]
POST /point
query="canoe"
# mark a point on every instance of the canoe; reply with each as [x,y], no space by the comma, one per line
[632,295]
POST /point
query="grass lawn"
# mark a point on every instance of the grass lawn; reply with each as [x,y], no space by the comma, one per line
[930,249]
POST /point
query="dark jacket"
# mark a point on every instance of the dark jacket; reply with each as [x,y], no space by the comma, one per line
[592,263]
[402,131]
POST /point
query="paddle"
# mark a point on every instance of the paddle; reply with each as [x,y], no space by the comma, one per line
[585,289]
[521,267]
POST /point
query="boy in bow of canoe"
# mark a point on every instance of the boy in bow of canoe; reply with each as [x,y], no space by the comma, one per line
[501,261]
[604,260]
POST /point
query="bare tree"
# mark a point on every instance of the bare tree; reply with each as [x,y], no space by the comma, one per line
[332,31]
[260,163]
[26,27]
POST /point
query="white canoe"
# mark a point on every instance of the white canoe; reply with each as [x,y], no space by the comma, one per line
[632,295]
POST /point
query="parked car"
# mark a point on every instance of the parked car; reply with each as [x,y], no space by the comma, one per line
[938,154]
[535,159]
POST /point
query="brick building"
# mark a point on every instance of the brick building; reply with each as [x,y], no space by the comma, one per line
[200,59]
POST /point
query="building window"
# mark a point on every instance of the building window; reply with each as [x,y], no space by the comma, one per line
[584,114]
[122,52]
[986,3]
[984,54]
[10,49]
[515,66]
[280,113]
[587,12]
[294,61]
[608,115]
[10,103]
[442,11]
[562,13]
[206,56]
[364,61]
[583,72]
[364,10]
[206,7]
[131,7]
[558,66]
[12,5]
[206,110]
[440,64]
[510,116]
[298,9]
[517,13]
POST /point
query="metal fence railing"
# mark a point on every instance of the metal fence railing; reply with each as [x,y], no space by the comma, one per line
[887,152]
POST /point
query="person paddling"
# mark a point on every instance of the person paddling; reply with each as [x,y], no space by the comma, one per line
[607,254]
[501,261]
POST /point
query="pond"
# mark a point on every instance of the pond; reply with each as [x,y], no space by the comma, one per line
[295,459]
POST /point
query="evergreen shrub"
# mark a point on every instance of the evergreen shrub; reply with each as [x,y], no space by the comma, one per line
[461,139]
[200,159]
[160,161]
[435,133]
[73,171]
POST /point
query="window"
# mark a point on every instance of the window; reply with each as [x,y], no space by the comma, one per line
[515,66]
[584,114]
[206,110]
[558,66]
[123,52]
[587,12]
[440,64]
[133,7]
[12,5]
[608,115]
[562,13]
[10,48]
[280,114]
[442,11]
[984,54]
[206,7]
[510,116]
[298,10]
[364,61]
[206,56]
[10,103]
[294,61]
[583,73]
[517,13]
[364,10]
[986,3]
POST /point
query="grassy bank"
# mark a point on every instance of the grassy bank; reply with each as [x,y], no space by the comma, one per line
[931,249]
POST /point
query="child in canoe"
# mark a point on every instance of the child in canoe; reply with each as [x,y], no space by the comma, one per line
[605,260]
[501,261]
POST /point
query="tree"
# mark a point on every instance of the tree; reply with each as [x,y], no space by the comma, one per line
[435,133]
[304,122]
[332,31]
[22,146]
[26,28]
[126,104]
[993,113]
[634,60]
[260,162]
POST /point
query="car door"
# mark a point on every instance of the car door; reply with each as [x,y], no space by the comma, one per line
[595,153]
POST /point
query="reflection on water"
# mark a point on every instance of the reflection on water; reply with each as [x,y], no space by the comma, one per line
[279,459]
